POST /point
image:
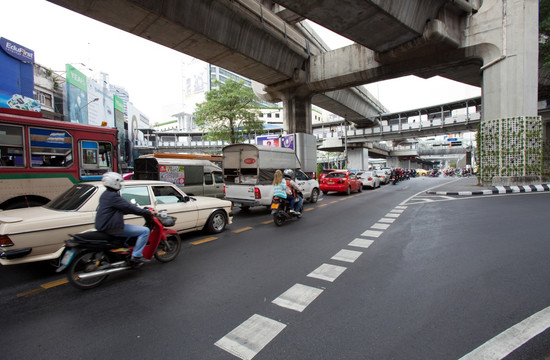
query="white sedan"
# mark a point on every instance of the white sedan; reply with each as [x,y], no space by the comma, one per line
[38,233]
[369,179]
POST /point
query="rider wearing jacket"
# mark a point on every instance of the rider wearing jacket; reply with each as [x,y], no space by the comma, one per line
[291,191]
[110,215]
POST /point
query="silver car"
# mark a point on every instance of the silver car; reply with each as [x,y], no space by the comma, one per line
[369,179]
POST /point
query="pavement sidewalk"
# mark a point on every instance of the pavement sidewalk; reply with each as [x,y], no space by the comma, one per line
[468,186]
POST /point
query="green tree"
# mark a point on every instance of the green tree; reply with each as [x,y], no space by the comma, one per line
[228,112]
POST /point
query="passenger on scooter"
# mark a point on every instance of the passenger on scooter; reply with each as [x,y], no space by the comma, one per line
[279,186]
[295,199]
[111,210]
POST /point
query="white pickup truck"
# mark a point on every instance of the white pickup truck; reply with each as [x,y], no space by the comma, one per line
[248,174]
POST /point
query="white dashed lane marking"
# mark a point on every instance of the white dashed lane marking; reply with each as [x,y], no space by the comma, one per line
[362,243]
[372,233]
[380,226]
[347,255]
[249,338]
[298,297]
[327,272]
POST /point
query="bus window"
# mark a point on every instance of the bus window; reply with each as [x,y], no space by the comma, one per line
[96,159]
[11,146]
[52,148]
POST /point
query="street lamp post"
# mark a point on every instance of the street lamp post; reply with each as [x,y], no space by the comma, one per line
[89,102]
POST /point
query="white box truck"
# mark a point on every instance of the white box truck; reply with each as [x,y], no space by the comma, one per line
[248,174]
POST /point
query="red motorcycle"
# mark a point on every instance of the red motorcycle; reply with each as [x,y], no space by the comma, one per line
[91,256]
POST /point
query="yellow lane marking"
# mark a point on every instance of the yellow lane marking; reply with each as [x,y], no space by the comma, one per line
[267,222]
[309,209]
[241,230]
[333,202]
[54,283]
[322,205]
[208,239]
[30,292]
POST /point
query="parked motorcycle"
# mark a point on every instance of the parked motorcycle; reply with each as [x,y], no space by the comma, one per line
[91,256]
[280,209]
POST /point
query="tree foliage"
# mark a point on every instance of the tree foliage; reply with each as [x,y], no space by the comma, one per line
[228,112]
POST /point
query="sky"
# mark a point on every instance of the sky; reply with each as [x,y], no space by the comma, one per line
[152,73]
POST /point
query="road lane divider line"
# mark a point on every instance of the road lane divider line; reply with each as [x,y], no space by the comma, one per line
[386,220]
[392,215]
[333,202]
[242,229]
[362,243]
[380,226]
[372,233]
[322,205]
[298,297]
[309,209]
[347,255]
[208,239]
[54,283]
[267,222]
[327,272]
[509,340]
[31,292]
[396,211]
[249,338]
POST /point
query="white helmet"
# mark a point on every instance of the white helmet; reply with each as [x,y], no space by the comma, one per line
[112,180]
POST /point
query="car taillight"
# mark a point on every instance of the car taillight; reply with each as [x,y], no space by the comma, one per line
[5,241]
[224,191]
[257,193]
[370,179]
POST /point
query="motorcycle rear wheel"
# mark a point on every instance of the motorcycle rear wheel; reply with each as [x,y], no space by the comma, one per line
[169,249]
[85,262]
[278,219]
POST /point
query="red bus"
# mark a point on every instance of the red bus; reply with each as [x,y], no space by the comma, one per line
[41,158]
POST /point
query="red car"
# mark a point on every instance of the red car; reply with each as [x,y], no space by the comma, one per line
[340,181]
[324,173]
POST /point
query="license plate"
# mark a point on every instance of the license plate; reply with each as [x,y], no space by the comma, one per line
[274,206]
[331,182]
[67,257]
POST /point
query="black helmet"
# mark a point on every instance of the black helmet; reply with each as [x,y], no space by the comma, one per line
[288,173]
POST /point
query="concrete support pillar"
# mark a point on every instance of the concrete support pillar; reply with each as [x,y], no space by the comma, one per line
[510,129]
[510,76]
[297,113]
[358,159]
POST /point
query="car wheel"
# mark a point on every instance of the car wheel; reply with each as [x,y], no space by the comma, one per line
[216,222]
[314,196]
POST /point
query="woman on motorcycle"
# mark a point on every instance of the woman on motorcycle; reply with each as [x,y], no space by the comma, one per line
[279,186]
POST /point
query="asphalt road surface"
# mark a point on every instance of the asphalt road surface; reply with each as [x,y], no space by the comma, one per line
[390,273]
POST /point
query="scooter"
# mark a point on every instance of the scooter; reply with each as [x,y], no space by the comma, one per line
[281,212]
[395,179]
[91,257]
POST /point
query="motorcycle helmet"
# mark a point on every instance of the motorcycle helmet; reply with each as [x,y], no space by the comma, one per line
[288,173]
[112,180]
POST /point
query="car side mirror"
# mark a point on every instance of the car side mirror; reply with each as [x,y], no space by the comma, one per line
[186,198]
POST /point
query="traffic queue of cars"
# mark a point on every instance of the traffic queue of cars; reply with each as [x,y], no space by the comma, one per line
[38,233]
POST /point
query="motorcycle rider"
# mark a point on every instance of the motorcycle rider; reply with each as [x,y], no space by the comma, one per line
[295,199]
[110,211]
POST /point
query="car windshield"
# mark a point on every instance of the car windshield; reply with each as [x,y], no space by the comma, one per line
[73,198]
[336,175]
[367,174]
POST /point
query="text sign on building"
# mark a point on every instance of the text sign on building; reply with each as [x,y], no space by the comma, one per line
[17,51]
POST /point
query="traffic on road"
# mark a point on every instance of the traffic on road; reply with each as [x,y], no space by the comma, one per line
[365,275]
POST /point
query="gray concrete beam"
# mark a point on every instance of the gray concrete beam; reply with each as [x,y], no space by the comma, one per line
[239,36]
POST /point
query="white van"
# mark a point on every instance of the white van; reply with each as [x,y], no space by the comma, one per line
[195,177]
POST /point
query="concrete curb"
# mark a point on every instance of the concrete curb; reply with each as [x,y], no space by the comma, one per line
[496,190]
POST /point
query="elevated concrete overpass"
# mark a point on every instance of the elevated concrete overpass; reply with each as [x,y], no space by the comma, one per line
[492,43]
[242,36]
